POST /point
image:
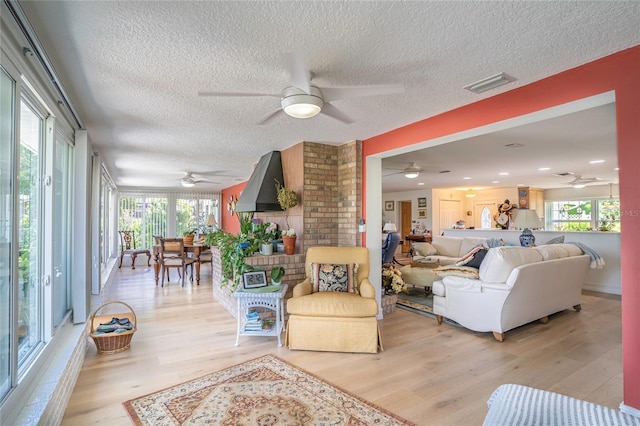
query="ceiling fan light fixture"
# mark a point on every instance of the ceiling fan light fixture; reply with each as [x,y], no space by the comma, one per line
[470,193]
[578,185]
[412,174]
[188,183]
[298,104]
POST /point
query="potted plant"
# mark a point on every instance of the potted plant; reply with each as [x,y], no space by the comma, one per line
[189,235]
[277,272]
[392,284]
[265,233]
[287,198]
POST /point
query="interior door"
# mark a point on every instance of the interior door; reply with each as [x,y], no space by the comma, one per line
[478,210]
[450,213]
[405,226]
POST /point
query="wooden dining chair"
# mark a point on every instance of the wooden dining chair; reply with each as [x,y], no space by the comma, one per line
[128,247]
[172,255]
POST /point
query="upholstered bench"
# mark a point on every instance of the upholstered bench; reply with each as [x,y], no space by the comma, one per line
[521,405]
[421,277]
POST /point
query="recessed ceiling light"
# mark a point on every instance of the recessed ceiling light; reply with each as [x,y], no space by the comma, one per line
[542,169]
[503,174]
[466,178]
[616,169]
[420,183]
[495,181]
[596,161]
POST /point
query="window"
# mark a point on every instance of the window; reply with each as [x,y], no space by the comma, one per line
[583,215]
[61,230]
[29,232]
[485,218]
[7,143]
[164,214]
[146,216]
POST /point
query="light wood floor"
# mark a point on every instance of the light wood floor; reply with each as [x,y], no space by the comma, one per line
[429,374]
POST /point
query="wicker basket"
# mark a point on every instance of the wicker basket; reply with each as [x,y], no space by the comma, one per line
[112,343]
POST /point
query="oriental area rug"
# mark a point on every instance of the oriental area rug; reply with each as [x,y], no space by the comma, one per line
[263,391]
[416,300]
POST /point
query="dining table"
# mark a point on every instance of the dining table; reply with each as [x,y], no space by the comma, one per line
[196,249]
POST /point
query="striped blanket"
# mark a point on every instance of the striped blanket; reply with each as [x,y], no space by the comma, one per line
[517,405]
[597,262]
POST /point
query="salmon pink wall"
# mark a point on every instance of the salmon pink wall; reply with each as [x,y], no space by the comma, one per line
[619,72]
[230,223]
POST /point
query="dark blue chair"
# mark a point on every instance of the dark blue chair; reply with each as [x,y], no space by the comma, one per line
[389,247]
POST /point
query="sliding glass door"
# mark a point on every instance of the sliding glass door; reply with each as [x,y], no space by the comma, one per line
[61,230]
[7,138]
[29,231]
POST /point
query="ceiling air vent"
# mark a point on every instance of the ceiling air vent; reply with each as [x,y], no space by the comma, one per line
[490,83]
[563,174]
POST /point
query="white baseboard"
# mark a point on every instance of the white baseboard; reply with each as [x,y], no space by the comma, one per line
[629,410]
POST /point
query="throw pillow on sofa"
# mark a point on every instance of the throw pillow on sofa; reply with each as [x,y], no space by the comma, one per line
[423,249]
[474,258]
[334,277]
[556,240]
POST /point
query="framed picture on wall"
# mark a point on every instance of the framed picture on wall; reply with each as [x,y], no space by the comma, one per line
[422,214]
[422,203]
[388,206]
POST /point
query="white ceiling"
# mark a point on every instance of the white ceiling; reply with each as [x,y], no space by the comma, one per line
[133,71]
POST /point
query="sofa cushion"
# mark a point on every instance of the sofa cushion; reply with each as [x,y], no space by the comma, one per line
[572,249]
[500,261]
[447,246]
[333,304]
[468,244]
[423,249]
[334,277]
[550,252]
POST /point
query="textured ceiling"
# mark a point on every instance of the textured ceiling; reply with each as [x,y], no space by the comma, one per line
[133,69]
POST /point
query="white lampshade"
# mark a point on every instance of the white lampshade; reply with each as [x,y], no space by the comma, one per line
[390,227]
[526,218]
[211,220]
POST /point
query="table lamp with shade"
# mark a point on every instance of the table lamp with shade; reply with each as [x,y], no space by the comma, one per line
[211,222]
[390,227]
[526,219]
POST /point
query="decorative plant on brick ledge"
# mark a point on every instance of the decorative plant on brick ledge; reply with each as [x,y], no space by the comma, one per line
[287,198]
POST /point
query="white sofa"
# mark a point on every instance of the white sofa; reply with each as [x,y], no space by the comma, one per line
[516,285]
[447,249]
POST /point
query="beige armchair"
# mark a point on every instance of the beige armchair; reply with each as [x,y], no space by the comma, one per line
[333,320]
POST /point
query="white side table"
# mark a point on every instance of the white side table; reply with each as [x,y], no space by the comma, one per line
[273,300]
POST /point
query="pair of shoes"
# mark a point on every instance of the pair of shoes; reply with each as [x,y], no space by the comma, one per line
[113,321]
[123,321]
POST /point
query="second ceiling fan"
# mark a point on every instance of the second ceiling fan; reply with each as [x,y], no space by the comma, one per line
[305,100]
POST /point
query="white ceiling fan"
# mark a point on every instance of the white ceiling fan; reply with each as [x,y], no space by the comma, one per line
[581,182]
[189,180]
[303,99]
[412,171]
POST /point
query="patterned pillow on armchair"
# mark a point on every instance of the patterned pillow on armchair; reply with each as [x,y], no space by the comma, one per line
[334,277]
